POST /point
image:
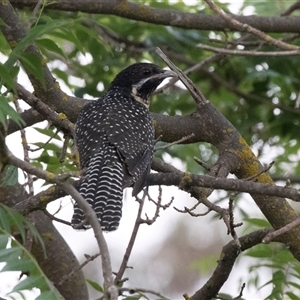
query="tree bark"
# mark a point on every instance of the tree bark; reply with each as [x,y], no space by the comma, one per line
[59,259]
[168,17]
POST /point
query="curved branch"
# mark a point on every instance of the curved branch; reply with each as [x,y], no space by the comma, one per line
[227,259]
[47,90]
[55,263]
[168,17]
[110,287]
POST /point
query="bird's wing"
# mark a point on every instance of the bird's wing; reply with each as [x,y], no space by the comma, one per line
[133,140]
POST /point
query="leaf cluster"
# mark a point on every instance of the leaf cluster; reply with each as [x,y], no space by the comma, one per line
[15,231]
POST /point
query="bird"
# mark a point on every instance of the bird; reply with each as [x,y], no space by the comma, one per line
[114,136]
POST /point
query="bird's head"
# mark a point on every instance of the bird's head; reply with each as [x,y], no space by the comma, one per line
[141,79]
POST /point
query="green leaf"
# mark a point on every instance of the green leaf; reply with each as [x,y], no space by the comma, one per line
[3,242]
[48,146]
[16,264]
[49,132]
[68,35]
[263,251]
[258,222]
[49,45]
[206,264]
[7,111]
[18,258]
[10,176]
[47,295]
[5,222]
[29,283]
[32,35]
[7,77]
[292,296]
[95,285]
[294,284]
[11,219]
[8,254]
[33,65]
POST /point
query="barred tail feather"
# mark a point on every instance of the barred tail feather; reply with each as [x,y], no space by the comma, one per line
[108,200]
[102,189]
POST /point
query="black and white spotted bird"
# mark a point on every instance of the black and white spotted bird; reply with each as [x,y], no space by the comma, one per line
[114,137]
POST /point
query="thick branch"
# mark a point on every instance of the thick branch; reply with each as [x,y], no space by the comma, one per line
[55,263]
[59,260]
[237,157]
[188,180]
[168,17]
[46,88]
[59,121]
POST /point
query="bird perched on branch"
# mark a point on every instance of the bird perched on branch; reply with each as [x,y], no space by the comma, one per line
[114,137]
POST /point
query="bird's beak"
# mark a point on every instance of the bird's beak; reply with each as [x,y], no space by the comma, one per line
[168,73]
[162,76]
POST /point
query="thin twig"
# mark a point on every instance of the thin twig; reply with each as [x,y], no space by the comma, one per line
[46,143]
[149,221]
[264,170]
[131,242]
[231,220]
[158,203]
[109,285]
[175,142]
[272,235]
[25,150]
[37,8]
[191,87]
[141,290]
[245,27]
[204,165]
[196,67]
[191,213]
[64,148]
[291,9]
[248,52]
[51,217]
[239,296]
[88,259]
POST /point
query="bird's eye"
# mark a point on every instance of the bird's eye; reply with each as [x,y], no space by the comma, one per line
[146,72]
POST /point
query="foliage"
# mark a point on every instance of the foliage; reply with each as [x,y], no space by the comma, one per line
[14,229]
[84,52]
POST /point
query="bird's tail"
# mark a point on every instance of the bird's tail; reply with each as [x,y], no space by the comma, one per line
[102,189]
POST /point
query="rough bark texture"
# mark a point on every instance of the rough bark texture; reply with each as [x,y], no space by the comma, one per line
[59,259]
[140,12]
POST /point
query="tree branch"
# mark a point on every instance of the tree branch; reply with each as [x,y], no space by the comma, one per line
[235,157]
[110,288]
[250,29]
[59,120]
[46,87]
[167,17]
[250,52]
[225,264]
